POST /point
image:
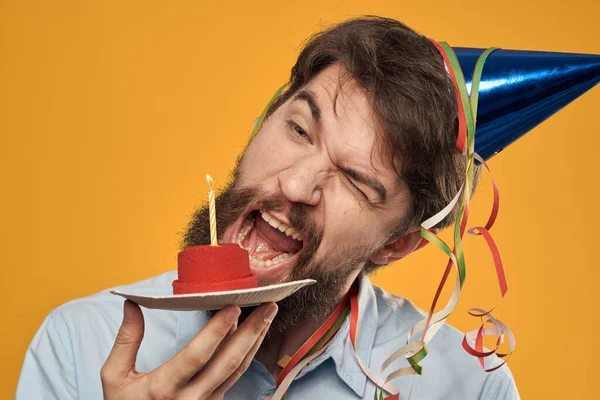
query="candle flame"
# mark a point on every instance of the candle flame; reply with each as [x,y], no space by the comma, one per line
[209,180]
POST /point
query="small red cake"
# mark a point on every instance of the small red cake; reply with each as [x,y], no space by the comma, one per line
[203,269]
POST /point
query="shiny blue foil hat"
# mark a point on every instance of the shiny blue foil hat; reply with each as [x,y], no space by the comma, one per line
[520,89]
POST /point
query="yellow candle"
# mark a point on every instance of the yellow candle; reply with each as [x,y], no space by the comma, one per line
[212,212]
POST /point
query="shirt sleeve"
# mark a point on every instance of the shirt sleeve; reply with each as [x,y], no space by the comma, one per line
[499,385]
[48,370]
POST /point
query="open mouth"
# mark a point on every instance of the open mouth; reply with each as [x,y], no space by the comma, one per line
[270,241]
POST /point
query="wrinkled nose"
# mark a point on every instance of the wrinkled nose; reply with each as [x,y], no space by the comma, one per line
[300,182]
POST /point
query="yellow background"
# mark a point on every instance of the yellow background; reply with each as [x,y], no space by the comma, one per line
[112,111]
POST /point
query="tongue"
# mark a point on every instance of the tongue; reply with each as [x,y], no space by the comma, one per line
[264,242]
[258,247]
[277,239]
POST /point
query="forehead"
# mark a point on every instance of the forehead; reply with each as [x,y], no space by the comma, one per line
[344,102]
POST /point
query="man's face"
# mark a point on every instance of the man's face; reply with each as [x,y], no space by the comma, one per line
[315,172]
[316,160]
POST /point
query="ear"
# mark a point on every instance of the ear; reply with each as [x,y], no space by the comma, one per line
[400,248]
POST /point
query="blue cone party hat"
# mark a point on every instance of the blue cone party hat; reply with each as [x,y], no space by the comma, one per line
[520,89]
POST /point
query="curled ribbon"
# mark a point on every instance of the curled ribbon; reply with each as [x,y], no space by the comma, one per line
[467,117]
[416,350]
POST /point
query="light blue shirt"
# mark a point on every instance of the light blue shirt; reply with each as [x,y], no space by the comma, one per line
[64,359]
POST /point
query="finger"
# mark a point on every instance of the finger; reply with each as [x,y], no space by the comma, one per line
[224,341]
[193,357]
[220,346]
[229,334]
[121,359]
[220,392]
[228,360]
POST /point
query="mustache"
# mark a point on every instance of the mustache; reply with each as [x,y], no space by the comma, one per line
[239,198]
[233,201]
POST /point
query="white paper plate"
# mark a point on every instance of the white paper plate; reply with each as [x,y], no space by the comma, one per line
[214,300]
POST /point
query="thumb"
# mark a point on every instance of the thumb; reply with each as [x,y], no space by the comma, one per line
[121,359]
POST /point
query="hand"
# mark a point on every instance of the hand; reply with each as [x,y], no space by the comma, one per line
[213,360]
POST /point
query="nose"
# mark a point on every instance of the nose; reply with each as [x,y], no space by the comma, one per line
[300,182]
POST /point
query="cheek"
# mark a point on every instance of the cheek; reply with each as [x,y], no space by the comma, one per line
[267,155]
[346,224]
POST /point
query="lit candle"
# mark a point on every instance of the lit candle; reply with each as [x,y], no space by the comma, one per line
[213,212]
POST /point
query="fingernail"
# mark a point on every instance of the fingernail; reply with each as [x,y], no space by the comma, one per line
[232,314]
[127,306]
[269,312]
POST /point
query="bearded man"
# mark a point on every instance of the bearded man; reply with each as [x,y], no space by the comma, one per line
[351,158]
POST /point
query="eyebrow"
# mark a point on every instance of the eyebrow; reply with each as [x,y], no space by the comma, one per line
[368,180]
[309,97]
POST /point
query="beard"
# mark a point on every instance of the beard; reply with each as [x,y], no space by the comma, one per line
[311,303]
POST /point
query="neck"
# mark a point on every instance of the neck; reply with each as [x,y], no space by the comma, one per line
[278,345]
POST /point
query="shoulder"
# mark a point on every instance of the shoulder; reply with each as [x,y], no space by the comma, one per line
[104,306]
[91,323]
[75,339]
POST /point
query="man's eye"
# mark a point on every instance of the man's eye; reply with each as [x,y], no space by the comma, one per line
[298,129]
[358,190]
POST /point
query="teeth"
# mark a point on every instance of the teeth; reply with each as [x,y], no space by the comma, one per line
[283,227]
[256,262]
[270,263]
[266,216]
[246,227]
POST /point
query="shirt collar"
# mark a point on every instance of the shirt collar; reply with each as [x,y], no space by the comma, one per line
[342,350]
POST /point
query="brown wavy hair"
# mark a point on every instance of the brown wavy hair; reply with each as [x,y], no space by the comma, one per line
[413,100]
